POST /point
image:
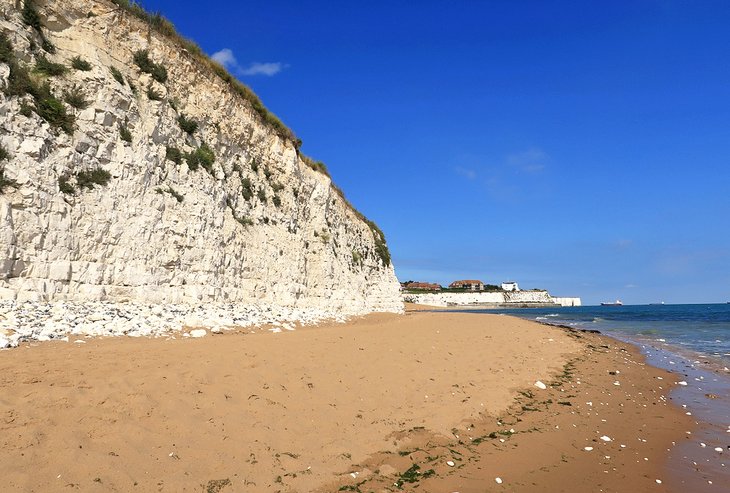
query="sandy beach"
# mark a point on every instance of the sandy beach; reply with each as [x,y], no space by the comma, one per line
[424,401]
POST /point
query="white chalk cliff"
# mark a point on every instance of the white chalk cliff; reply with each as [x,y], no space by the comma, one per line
[257,225]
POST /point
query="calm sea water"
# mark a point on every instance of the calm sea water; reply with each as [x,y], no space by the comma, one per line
[700,330]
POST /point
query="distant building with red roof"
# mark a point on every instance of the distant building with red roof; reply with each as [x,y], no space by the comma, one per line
[471,284]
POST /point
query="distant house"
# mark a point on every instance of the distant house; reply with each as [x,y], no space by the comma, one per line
[510,286]
[470,284]
[424,286]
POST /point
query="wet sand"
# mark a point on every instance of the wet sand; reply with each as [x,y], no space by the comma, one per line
[425,401]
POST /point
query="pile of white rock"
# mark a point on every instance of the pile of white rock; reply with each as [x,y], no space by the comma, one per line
[45,321]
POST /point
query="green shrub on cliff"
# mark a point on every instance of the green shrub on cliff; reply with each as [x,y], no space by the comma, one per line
[317,166]
[145,64]
[246,189]
[49,68]
[79,63]
[64,186]
[30,15]
[188,126]
[117,75]
[153,95]
[96,176]
[178,196]
[202,156]
[124,133]
[54,112]
[242,220]
[19,81]
[7,54]
[173,154]
[75,98]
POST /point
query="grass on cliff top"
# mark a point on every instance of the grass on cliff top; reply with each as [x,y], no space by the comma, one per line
[164,27]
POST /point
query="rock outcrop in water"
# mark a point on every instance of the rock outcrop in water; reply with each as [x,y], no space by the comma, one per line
[135,169]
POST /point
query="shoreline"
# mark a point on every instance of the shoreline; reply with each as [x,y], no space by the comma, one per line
[387,392]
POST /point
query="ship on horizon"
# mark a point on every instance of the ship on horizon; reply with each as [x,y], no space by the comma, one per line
[612,303]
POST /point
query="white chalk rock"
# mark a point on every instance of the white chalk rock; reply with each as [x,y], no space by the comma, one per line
[198,333]
[540,385]
[605,438]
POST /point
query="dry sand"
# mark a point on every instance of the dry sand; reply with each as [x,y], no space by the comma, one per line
[301,411]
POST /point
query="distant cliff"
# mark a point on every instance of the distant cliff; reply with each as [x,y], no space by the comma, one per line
[132,167]
[492,299]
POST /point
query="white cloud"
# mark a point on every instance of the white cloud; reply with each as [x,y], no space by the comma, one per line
[226,58]
[466,172]
[267,68]
[531,160]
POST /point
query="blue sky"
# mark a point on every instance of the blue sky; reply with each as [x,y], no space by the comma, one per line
[581,147]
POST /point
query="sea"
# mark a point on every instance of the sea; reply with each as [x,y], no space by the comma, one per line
[693,341]
[699,331]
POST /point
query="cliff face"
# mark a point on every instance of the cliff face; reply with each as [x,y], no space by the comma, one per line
[255,224]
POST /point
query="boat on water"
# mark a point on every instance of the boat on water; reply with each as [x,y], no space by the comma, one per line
[612,303]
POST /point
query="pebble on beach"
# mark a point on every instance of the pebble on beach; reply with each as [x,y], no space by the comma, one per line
[540,385]
[55,321]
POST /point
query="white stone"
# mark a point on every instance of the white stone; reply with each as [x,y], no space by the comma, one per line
[198,333]
[540,385]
